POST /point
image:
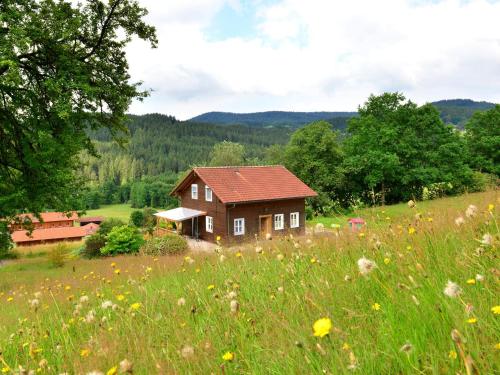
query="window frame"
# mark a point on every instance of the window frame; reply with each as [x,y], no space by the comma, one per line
[194,191]
[282,216]
[209,224]
[241,232]
[297,214]
[208,189]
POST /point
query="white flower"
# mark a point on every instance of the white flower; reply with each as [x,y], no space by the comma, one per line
[452,289]
[187,351]
[84,299]
[377,244]
[126,367]
[296,245]
[89,318]
[471,211]
[479,277]
[459,221]
[181,301]
[107,305]
[366,266]
[258,249]
[347,278]
[281,289]
[38,294]
[487,239]
[280,257]
[234,305]
[411,203]
[34,303]
[232,294]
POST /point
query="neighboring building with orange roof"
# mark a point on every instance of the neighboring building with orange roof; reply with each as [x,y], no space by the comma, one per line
[238,203]
[49,235]
[48,220]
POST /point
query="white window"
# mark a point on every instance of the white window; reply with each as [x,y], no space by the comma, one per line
[209,224]
[279,222]
[208,194]
[294,220]
[239,227]
[194,191]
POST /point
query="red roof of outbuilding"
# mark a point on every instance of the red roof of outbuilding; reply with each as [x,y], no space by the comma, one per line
[48,217]
[54,233]
[250,184]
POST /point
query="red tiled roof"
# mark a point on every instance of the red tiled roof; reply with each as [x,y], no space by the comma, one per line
[49,216]
[54,233]
[251,184]
[89,219]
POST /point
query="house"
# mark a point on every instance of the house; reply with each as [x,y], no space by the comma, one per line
[238,203]
[51,235]
[49,220]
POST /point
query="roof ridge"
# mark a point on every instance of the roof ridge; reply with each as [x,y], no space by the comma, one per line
[241,166]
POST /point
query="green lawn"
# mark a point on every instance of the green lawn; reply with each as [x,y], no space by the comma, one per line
[119,211]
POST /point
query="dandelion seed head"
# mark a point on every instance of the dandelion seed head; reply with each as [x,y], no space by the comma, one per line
[452,289]
[366,266]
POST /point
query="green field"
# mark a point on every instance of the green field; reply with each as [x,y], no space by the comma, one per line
[170,315]
[119,211]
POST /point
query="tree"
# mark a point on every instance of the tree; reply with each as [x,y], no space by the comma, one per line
[122,240]
[483,140]
[63,71]
[227,154]
[396,148]
[314,155]
[137,218]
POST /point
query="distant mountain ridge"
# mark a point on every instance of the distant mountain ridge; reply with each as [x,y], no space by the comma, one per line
[453,111]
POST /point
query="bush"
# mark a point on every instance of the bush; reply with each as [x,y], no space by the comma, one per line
[93,246]
[5,241]
[137,218]
[57,256]
[165,245]
[109,224]
[122,240]
[482,182]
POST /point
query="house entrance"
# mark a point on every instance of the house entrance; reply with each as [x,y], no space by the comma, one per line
[265,225]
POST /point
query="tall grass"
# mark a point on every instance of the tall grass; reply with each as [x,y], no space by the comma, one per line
[173,314]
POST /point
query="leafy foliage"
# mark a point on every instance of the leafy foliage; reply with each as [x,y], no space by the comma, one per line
[122,240]
[169,244]
[63,70]
[57,256]
[93,246]
[108,224]
[137,218]
[483,140]
[227,154]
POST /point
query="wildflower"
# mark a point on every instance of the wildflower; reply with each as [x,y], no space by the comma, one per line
[322,327]
[126,367]
[217,238]
[89,318]
[5,369]
[345,346]
[232,294]
[181,301]
[258,249]
[281,289]
[377,245]
[113,265]
[135,306]
[452,354]
[361,235]
[313,260]
[497,346]
[479,277]
[120,297]
[366,266]
[84,353]
[471,281]
[106,305]
[84,299]
[112,371]
[67,287]
[472,320]
[459,221]
[491,207]
[222,258]
[452,289]
[239,254]
[430,219]
[34,303]
[411,204]
[280,257]
[234,305]
[187,351]
[471,211]
[387,260]
[149,269]
[411,230]
[487,239]
[37,295]
[495,310]
[406,348]
[117,271]
[408,247]
[228,356]
[376,306]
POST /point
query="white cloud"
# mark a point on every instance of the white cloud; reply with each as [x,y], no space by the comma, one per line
[318,55]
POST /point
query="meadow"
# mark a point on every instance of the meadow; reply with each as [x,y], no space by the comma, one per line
[416,291]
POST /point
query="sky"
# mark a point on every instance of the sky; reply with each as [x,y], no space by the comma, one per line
[314,55]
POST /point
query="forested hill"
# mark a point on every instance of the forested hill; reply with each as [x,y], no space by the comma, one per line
[161,144]
[453,111]
[274,118]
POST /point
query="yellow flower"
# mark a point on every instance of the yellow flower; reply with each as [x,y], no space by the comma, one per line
[346,346]
[491,207]
[120,297]
[471,320]
[430,219]
[149,269]
[84,352]
[67,287]
[387,260]
[471,281]
[408,247]
[113,264]
[228,356]
[376,306]
[5,369]
[135,306]
[361,235]
[217,238]
[313,260]
[411,230]
[452,354]
[10,299]
[112,371]
[322,327]
[497,346]
[239,255]
[211,286]
[117,271]
[495,309]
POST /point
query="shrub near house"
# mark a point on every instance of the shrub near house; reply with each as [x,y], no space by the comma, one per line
[122,240]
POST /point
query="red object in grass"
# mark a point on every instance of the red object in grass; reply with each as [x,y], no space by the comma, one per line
[356,223]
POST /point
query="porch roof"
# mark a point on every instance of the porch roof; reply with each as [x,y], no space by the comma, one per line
[180,214]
